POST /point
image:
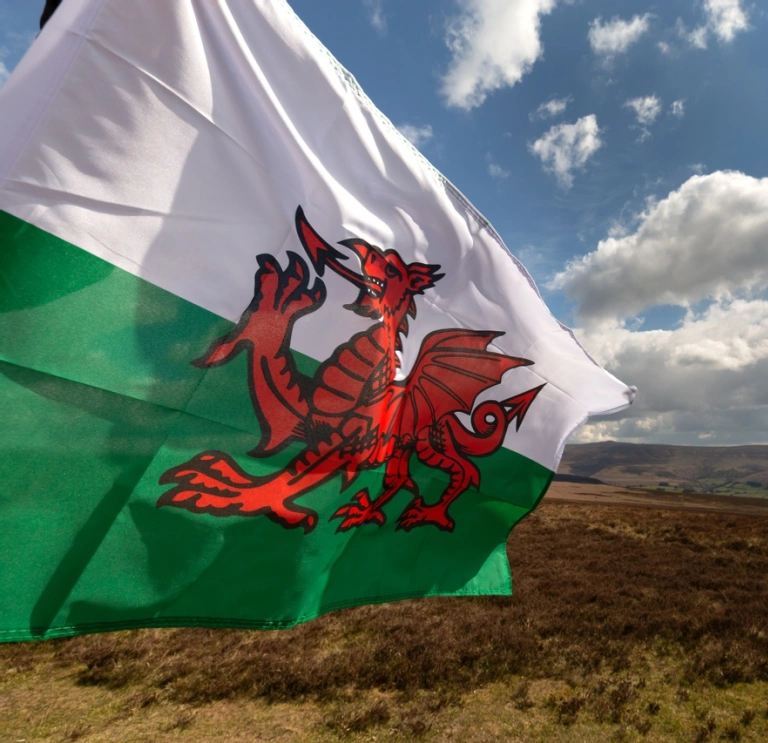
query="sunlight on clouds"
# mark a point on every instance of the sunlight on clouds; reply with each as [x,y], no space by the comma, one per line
[493,44]
[707,238]
[728,335]
[705,379]
[616,36]
[566,148]
[708,375]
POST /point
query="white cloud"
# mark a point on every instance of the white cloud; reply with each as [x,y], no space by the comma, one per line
[704,378]
[725,18]
[567,147]
[376,15]
[4,73]
[698,168]
[705,381]
[616,36]
[708,428]
[677,109]
[496,171]
[722,19]
[551,108]
[697,38]
[646,108]
[493,44]
[709,238]
[416,135]
[728,335]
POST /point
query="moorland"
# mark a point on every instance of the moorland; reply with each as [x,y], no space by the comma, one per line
[632,620]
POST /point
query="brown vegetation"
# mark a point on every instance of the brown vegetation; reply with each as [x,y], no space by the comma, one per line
[621,617]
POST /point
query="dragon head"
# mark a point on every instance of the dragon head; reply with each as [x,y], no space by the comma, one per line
[387,283]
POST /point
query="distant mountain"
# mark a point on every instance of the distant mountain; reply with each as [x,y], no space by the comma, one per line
[725,470]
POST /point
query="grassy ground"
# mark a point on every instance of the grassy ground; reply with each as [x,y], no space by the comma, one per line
[627,625]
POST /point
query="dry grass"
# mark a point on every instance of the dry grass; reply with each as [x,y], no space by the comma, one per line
[628,624]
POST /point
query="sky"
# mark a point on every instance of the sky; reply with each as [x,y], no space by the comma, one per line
[618,148]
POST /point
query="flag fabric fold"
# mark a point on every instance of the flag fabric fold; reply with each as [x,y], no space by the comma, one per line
[259,360]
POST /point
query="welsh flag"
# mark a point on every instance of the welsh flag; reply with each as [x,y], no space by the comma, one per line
[259,360]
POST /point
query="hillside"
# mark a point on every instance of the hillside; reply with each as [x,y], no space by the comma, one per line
[724,470]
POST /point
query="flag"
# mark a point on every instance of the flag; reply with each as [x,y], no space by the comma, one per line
[259,360]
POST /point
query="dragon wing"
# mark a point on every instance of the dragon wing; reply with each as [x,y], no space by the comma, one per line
[452,369]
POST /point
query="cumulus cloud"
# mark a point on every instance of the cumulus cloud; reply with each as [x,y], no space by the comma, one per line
[723,19]
[376,15]
[551,108]
[493,43]
[728,335]
[4,73]
[705,381]
[709,238]
[416,135]
[566,148]
[677,109]
[616,36]
[646,108]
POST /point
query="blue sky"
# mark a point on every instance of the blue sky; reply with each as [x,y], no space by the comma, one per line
[618,149]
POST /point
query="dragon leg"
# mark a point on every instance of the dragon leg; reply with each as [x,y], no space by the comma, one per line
[212,482]
[447,444]
[437,448]
[278,389]
[363,510]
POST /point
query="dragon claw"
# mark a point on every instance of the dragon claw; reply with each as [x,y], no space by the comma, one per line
[360,511]
[419,513]
[287,290]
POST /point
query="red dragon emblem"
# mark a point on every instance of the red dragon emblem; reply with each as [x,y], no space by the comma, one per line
[353,414]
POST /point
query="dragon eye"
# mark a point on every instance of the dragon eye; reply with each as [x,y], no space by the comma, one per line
[392,272]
